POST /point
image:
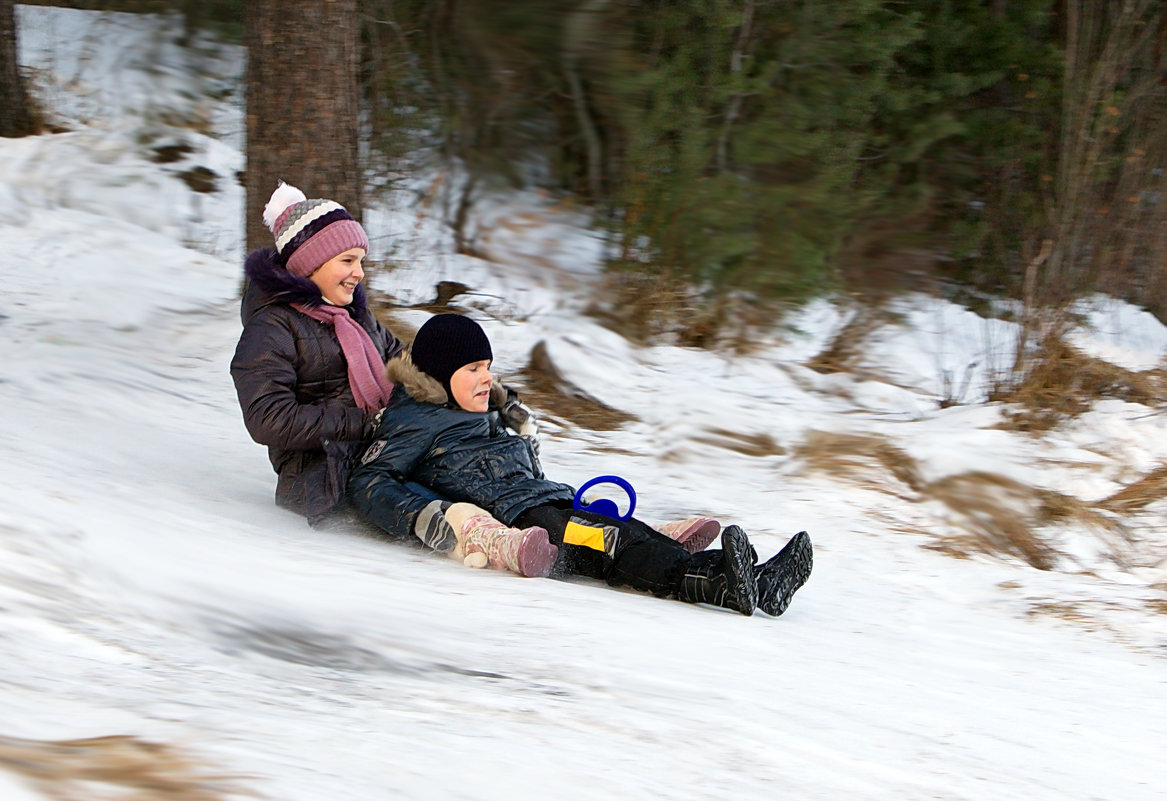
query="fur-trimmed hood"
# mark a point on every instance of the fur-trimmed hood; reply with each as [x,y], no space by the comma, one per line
[401,370]
[423,439]
[268,282]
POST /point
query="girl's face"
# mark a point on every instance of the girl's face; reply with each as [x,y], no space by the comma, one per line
[338,277]
[470,386]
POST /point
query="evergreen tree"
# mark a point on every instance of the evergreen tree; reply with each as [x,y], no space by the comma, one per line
[790,147]
[963,133]
[744,125]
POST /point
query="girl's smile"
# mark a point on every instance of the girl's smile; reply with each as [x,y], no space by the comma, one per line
[338,277]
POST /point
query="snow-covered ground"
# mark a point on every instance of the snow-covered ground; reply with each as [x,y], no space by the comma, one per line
[150,590]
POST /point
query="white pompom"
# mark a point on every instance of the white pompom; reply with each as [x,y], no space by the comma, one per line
[284,196]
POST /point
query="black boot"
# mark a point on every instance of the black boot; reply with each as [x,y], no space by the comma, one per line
[722,578]
[784,573]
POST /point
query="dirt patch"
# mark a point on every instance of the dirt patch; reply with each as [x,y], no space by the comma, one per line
[444,294]
[388,313]
[540,384]
[386,309]
[136,769]
[549,393]
[168,154]
[200,179]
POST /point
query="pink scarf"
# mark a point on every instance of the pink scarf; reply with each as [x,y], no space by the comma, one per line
[366,370]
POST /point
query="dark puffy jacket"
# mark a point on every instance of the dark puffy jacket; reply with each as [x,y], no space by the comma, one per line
[292,381]
[463,456]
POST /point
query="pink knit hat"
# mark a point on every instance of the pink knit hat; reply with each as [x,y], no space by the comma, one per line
[310,232]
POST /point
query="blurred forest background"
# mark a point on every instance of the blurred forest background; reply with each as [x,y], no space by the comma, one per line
[770,149]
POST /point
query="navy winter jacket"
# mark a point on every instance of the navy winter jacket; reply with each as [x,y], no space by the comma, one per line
[425,438]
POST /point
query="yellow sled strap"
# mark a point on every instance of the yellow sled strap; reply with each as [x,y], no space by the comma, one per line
[586,535]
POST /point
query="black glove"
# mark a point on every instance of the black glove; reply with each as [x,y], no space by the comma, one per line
[520,419]
[373,422]
[433,530]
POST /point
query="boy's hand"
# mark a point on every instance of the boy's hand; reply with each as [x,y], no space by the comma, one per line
[519,418]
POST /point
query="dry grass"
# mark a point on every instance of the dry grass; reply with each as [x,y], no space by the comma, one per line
[846,348]
[1099,616]
[1063,610]
[1002,516]
[119,767]
[870,461]
[758,445]
[644,307]
[1137,496]
[1060,382]
[664,308]
[995,515]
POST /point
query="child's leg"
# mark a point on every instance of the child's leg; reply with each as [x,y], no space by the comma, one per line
[725,577]
[695,533]
[573,560]
[633,553]
[781,576]
[456,516]
[482,540]
[643,558]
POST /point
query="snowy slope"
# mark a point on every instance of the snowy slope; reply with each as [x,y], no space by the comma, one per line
[150,589]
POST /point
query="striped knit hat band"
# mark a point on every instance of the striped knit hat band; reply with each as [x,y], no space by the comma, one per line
[298,219]
[310,232]
[331,240]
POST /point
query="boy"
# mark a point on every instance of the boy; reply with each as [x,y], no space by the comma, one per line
[442,432]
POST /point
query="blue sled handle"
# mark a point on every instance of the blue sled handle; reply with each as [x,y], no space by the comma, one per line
[603,506]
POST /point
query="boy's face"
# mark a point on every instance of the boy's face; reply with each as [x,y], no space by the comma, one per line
[470,386]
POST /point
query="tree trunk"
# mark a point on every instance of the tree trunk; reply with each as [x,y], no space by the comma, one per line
[1108,53]
[734,108]
[194,15]
[302,104]
[581,38]
[16,118]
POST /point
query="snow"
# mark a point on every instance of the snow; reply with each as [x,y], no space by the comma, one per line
[1119,333]
[150,588]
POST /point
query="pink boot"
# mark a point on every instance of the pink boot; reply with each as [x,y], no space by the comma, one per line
[695,533]
[527,551]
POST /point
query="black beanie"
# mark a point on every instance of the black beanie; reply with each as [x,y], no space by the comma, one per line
[446,343]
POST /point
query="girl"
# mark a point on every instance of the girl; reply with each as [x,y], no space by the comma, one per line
[308,367]
[442,432]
